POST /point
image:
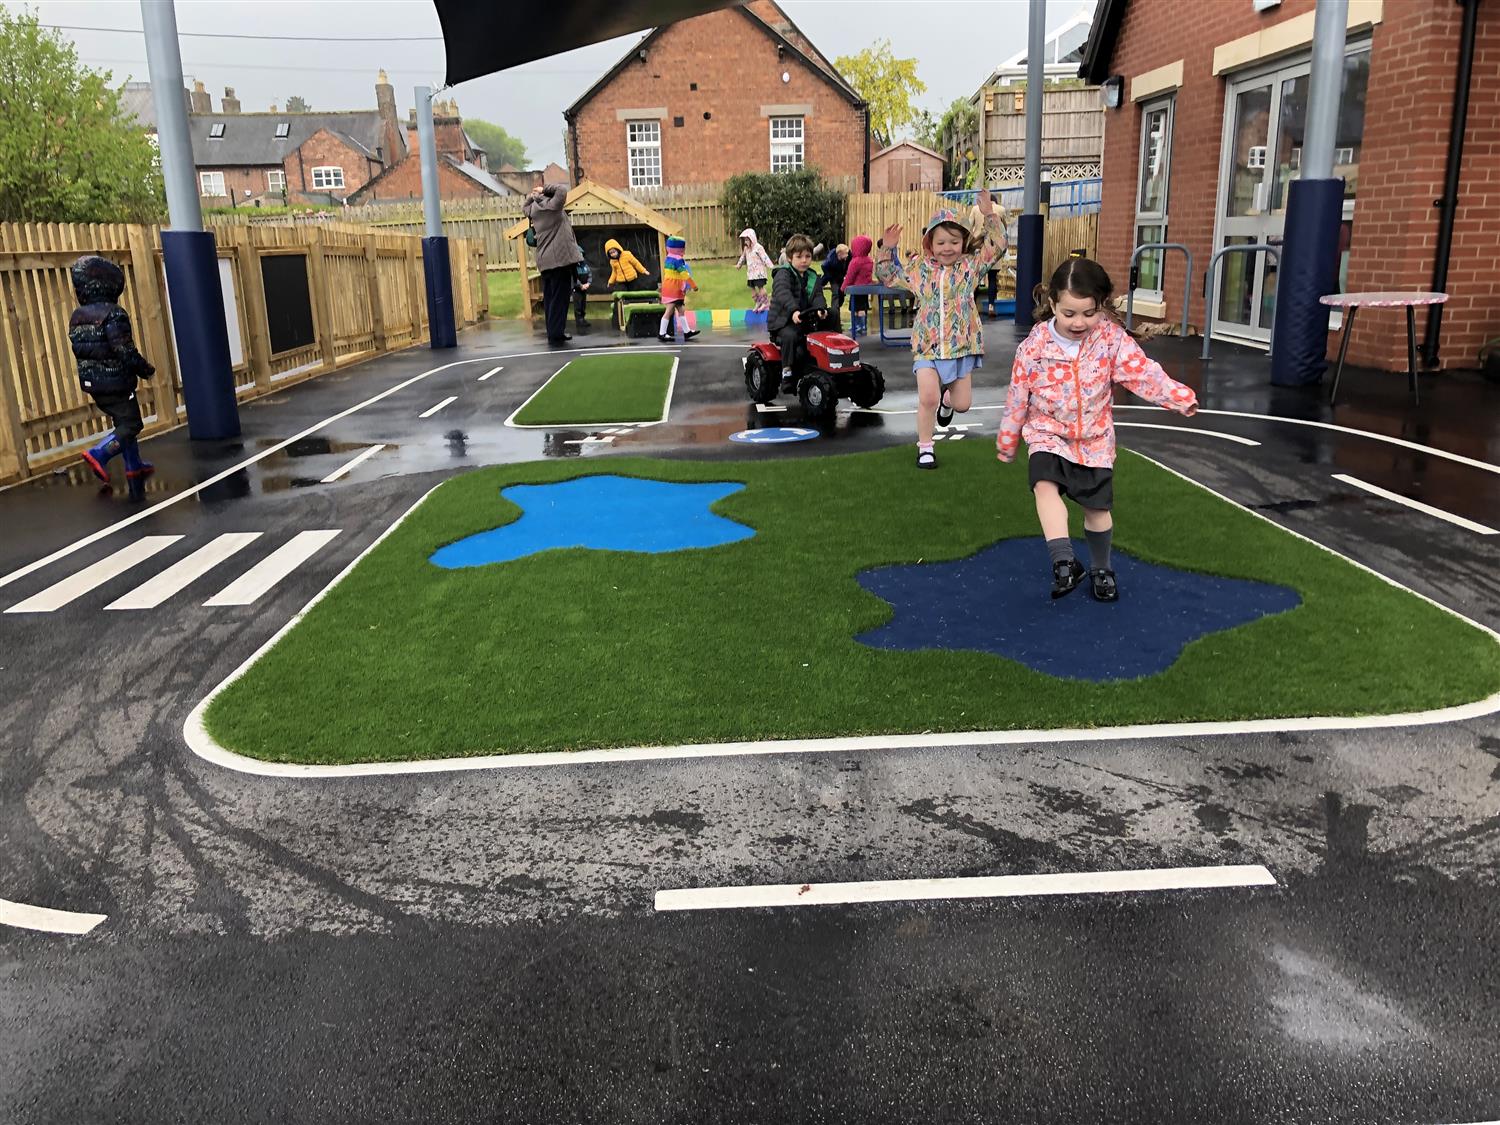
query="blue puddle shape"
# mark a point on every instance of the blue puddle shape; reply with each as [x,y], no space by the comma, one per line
[999,601]
[606,513]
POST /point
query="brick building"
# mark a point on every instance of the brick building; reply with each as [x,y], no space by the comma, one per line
[1209,135]
[736,90]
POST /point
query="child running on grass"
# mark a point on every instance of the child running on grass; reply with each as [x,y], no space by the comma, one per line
[757,265]
[1060,403]
[947,342]
[676,283]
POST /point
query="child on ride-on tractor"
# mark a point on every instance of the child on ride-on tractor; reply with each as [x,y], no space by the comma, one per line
[797,304]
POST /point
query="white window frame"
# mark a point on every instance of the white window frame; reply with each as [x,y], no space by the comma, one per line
[786,146]
[333,177]
[207,182]
[276,180]
[216,131]
[642,151]
[1256,157]
[283,130]
[1156,217]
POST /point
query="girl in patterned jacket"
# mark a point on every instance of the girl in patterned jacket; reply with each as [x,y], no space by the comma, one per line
[947,342]
[1061,388]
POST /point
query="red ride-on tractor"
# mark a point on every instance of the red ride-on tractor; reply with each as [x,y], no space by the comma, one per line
[825,370]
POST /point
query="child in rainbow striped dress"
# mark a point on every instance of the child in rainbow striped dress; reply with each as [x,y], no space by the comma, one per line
[676,283]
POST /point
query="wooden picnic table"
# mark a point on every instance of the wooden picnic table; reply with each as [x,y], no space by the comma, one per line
[1353,302]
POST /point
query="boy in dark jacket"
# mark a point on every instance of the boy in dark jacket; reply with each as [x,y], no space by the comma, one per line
[583,277]
[109,365]
[835,266]
[797,305]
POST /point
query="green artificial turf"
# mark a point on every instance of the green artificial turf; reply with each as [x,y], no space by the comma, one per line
[755,640]
[602,388]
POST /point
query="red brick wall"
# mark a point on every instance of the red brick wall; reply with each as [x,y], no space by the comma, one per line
[735,67]
[405,182]
[324,149]
[1408,110]
[236,181]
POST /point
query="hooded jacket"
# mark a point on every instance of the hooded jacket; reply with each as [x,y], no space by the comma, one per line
[1063,406]
[756,261]
[99,330]
[793,292]
[676,275]
[556,245]
[946,325]
[861,270]
[623,265]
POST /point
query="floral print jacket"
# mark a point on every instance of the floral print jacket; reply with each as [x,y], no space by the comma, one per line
[1063,406]
[947,320]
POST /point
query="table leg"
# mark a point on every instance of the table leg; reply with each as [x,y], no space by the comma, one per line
[1411,351]
[1343,351]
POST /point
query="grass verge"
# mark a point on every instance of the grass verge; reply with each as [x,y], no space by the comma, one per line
[602,388]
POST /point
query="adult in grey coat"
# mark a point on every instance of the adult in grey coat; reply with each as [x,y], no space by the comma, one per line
[556,254]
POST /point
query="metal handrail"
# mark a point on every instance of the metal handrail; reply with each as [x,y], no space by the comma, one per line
[1208,297]
[1187,283]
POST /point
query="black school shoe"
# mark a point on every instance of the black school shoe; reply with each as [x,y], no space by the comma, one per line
[1066,575]
[1104,587]
[944,412]
[926,459]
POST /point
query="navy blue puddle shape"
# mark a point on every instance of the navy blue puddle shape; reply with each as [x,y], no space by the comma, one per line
[998,601]
[606,513]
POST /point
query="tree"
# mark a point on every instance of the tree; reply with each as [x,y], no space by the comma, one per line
[297,104]
[924,130]
[67,152]
[499,146]
[887,84]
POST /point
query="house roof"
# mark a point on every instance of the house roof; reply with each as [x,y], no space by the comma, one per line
[589,196]
[908,144]
[762,14]
[480,176]
[136,102]
[1098,51]
[250,138]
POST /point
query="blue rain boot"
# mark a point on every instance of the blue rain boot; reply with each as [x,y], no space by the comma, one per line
[135,467]
[100,455]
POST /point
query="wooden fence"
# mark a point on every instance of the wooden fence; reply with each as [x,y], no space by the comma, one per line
[365,289]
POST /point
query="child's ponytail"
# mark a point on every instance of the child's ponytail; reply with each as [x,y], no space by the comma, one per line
[1041,298]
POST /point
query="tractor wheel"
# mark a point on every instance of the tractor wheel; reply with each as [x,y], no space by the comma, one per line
[867,387]
[760,379]
[818,396]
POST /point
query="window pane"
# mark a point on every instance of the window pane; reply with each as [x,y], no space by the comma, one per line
[1154,159]
[1252,122]
[1149,265]
[1236,284]
[1290,136]
[1351,129]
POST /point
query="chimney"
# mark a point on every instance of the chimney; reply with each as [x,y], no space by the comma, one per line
[231,103]
[199,99]
[274,109]
[390,124]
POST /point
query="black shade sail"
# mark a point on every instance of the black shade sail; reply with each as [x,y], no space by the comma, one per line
[483,36]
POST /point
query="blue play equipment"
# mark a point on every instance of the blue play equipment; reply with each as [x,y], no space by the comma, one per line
[997,601]
[604,513]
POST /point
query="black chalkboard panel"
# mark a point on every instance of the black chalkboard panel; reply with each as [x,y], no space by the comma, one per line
[289,314]
[640,241]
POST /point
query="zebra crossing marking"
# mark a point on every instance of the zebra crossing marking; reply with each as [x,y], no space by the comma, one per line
[183,572]
[261,577]
[95,575]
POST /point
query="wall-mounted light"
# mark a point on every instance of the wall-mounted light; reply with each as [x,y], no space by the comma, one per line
[786,75]
[1112,92]
[641,54]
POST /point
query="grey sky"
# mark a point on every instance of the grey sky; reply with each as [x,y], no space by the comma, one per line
[958,43]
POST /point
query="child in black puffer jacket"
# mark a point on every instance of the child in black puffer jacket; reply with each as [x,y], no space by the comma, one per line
[108,365]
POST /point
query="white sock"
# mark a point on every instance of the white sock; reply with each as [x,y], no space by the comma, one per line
[666,322]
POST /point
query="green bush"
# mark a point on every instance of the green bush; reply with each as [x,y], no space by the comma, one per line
[781,204]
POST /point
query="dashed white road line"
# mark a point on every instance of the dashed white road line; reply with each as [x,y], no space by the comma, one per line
[493,371]
[995,886]
[95,575]
[47,920]
[261,577]
[1417,505]
[431,410]
[352,465]
[180,574]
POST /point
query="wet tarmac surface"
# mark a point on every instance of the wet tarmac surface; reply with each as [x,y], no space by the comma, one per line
[482,946]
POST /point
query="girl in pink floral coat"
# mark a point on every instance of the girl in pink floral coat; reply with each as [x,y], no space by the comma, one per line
[1061,388]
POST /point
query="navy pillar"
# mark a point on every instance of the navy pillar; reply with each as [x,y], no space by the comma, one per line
[439,292]
[192,267]
[1031,231]
[1309,269]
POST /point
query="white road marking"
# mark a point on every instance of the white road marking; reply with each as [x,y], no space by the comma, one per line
[995,886]
[273,568]
[91,577]
[493,371]
[431,410]
[589,441]
[769,408]
[1417,505]
[47,920]
[354,464]
[1188,430]
[154,591]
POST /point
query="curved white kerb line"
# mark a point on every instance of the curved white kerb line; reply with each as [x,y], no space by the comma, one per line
[204,745]
[45,919]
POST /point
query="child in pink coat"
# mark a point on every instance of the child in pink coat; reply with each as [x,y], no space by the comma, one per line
[1061,387]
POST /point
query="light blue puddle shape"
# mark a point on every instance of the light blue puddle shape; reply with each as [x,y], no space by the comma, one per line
[605,513]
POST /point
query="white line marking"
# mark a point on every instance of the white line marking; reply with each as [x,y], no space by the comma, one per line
[90,577]
[589,441]
[178,497]
[354,464]
[431,410]
[273,568]
[47,920]
[154,591]
[996,886]
[493,371]
[666,406]
[202,743]
[769,408]
[1188,430]
[1417,505]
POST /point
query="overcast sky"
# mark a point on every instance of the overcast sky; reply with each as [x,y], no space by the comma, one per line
[958,43]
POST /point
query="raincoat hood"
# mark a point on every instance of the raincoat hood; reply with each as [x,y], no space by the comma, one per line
[613,244]
[749,232]
[939,217]
[97,280]
[861,246]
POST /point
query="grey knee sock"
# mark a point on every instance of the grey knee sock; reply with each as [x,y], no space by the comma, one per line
[1099,547]
[1061,550]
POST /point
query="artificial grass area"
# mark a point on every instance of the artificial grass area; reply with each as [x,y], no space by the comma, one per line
[755,640]
[602,388]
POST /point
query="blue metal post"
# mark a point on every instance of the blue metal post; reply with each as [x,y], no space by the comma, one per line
[1032,225]
[435,267]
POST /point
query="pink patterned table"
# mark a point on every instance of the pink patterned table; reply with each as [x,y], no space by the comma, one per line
[1353,302]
